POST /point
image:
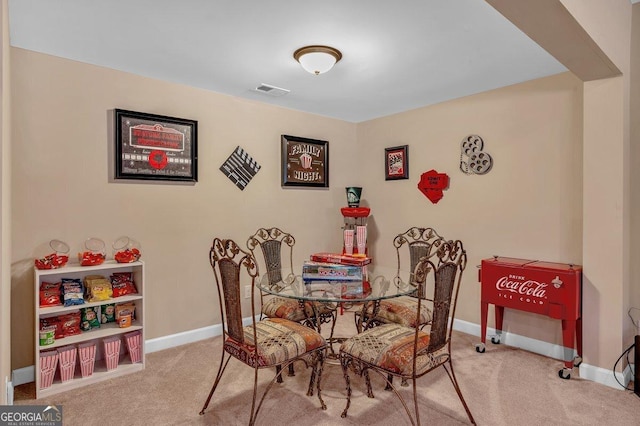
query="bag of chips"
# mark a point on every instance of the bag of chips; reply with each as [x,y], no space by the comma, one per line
[122,284]
[108,313]
[89,319]
[45,323]
[72,291]
[70,323]
[50,294]
[97,288]
[128,308]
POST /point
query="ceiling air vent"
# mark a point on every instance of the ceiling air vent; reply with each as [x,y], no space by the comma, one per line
[267,89]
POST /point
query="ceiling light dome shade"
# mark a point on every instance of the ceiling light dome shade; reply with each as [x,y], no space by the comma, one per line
[317,59]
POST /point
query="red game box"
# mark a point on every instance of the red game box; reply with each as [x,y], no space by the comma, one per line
[341,259]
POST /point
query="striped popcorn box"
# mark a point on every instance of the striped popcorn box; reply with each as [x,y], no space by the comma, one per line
[134,347]
[361,238]
[48,364]
[111,352]
[348,241]
[67,362]
[87,356]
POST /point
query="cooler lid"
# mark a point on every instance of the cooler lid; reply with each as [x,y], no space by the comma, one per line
[507,261]
[556,266]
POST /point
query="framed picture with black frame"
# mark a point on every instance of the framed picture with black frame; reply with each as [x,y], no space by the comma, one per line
[155,147]
[396,162]
[305,162]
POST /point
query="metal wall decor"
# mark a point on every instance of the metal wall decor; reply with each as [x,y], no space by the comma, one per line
[240,168]
[473,160]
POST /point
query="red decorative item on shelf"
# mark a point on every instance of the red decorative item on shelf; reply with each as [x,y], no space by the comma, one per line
[94,253]
[126,250]
[55,260]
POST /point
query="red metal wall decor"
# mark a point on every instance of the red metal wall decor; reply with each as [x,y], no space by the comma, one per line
[432,184]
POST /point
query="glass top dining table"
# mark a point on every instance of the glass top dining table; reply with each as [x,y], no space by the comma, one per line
[378,283]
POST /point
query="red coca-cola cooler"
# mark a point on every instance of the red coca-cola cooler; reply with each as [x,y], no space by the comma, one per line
[545,288]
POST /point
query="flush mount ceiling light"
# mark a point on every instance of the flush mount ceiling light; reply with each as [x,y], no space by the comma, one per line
[317,59]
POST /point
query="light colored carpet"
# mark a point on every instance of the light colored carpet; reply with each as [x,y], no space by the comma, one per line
[504,386]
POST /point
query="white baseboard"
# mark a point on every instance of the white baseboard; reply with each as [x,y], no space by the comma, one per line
[9,388]
[179,339]
[24,375]
[596,374]
[588,372]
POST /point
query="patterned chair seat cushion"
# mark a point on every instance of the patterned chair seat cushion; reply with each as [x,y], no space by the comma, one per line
[279,340]
[290,309]
[403,310]
[390,347]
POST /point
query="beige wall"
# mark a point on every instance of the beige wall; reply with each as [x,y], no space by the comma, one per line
[608,203]
[5,206]
[592,39]
[61,187]
[634,296]
[530,205]
[527,206]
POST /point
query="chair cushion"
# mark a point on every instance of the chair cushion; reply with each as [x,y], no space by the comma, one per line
[281,307]
[390,347]
[403,310]
[279,340]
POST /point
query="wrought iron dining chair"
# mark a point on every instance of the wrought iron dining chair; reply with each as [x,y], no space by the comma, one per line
[276,247]
[411,352]
[416,243]
[272,342]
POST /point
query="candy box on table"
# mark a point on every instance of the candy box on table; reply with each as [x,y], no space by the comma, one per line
[342,259]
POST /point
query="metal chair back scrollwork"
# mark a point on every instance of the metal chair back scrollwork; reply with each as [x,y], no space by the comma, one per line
[411,246]
[271,242]
[253,345]
[276,255]
[385,349]
[417,242]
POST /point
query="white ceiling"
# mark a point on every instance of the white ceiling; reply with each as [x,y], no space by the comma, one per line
[397,55]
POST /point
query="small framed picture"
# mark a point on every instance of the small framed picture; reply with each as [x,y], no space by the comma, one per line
[155,147]
[396,162]
[305,162]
